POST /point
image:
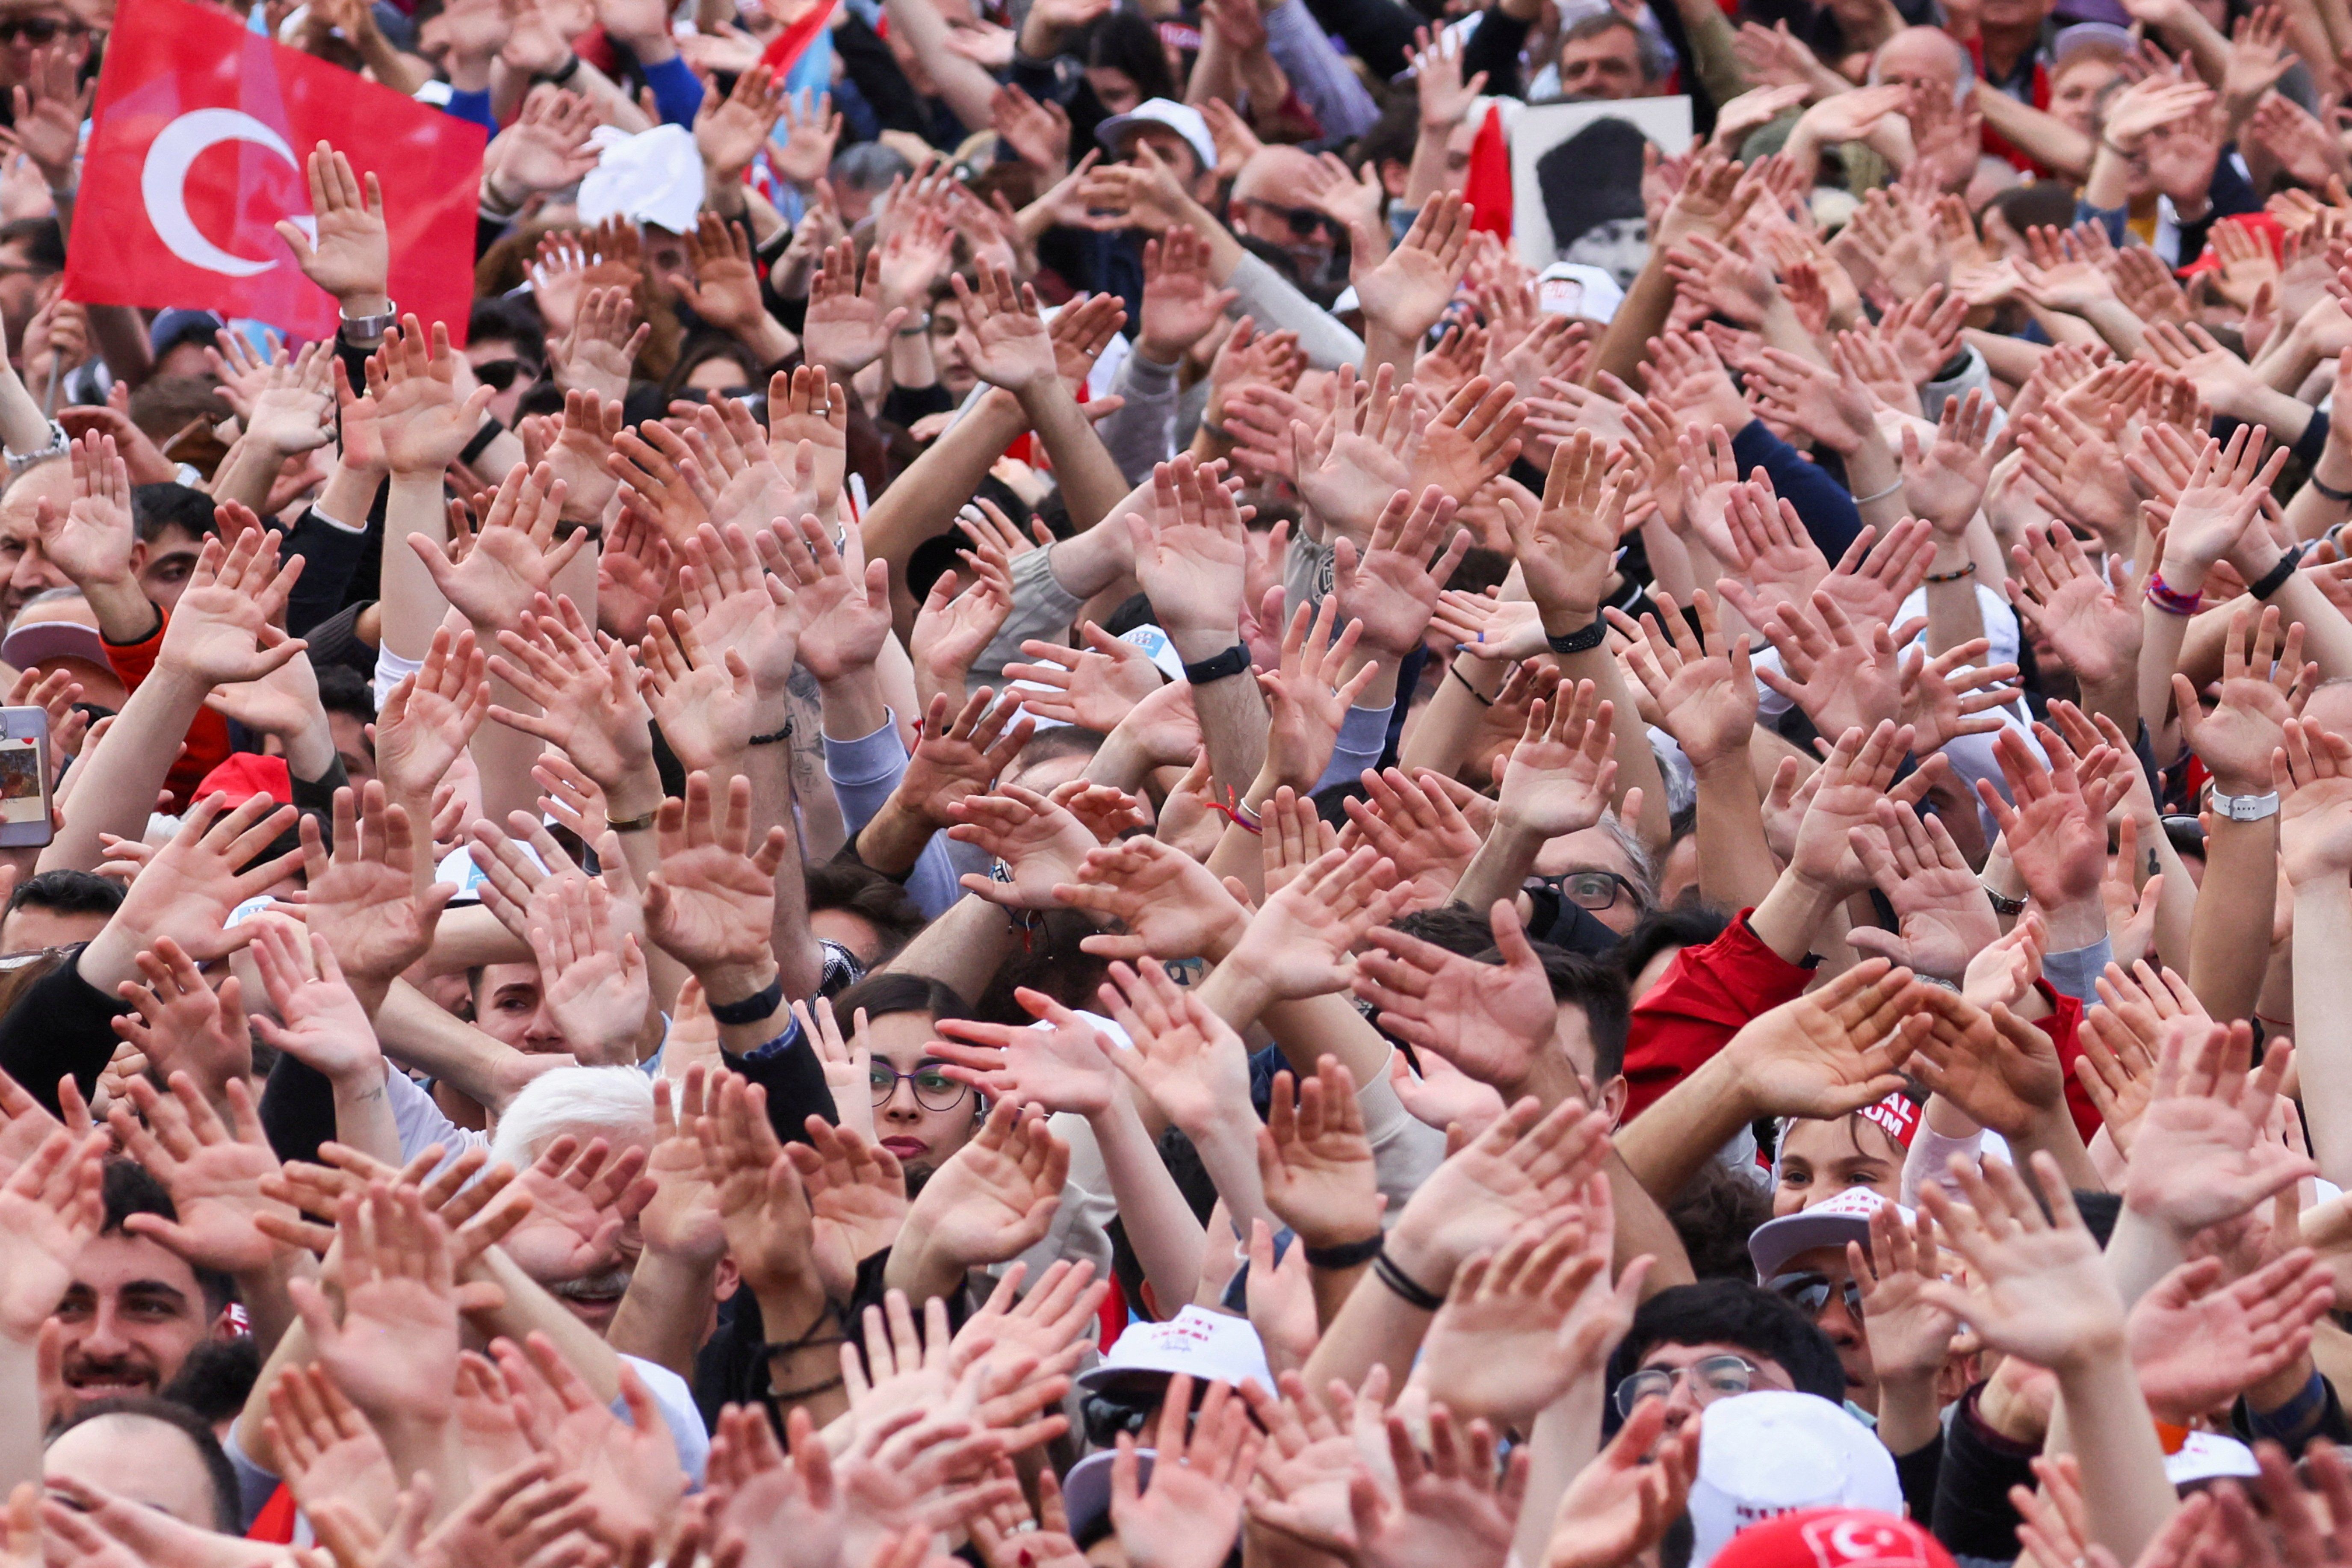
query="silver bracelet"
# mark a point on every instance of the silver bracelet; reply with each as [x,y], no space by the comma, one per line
[60,445]
[1881,495]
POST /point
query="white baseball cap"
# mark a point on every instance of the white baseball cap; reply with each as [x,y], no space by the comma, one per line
[1769,1453]
[1212,1347]
[1182,118]
[2207,1456]
[1843,1218]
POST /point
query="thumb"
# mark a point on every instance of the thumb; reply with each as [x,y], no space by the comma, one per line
[296,240]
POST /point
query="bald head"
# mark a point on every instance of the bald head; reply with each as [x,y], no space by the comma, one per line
[1273,202]
[1921,57]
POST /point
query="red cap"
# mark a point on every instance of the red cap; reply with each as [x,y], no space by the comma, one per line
[1833,1538]
[244,774]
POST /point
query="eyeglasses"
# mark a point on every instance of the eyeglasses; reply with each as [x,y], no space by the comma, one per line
[36,30]
[1304,223]
[1711,1378]
[500,374]
[934,1089]
[1592,890]
[1810,1292]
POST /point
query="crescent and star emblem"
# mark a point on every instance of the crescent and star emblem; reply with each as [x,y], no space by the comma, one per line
[163,184]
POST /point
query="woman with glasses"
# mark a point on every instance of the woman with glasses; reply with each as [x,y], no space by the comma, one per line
[921,1114]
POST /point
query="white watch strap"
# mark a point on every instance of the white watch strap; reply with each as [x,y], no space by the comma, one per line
[2245,807]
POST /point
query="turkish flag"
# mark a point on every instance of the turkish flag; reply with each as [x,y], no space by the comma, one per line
[196,148]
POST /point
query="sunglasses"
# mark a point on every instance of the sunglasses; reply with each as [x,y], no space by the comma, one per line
[1810,1292]
[501,373]
[934,1090]
[1304,223]
[36,30]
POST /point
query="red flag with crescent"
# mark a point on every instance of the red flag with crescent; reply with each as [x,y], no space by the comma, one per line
[196,150]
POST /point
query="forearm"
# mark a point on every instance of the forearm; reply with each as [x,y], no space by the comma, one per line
[413,607]
[963,948]
[1312,1028]
[503,756]
[1159,1224]
[423,1035]
[123,775]
[769,768]
[1640,317]
[1736,870]
[24,428]
[2323,1032]
[1500,867]
[2126,1496]
[530,1309]
[22,1434]
[2047,138]
[1090,479]
[661,1316]
[2162,635]
[1666,1144]
[363,1116]
[806,1376]
[2229,941]
[1637,764]
[1440,735]
[1233,720]
[1567,1438]
[922,503]
[429,1448]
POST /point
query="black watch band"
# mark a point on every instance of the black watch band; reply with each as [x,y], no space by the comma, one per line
[1231,662]
[760,1005]
[2276,578]
[1584,641]
[1346,1255]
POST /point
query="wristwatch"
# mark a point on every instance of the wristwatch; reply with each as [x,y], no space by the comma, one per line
[2245,807]
[361,328]
[2002,904]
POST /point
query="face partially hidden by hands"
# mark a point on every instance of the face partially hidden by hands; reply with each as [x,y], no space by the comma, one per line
[25,569]
[1821,1159]
[928,1116]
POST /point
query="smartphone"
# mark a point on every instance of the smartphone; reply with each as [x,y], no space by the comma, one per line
[23,777]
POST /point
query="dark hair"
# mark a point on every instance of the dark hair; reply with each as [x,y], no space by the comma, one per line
[863,891]
[897,991]
[68,892]
[1680,926]
[130,1188]
[1061,741]
[43,242]
[169,504]
[342,690]
[163,406]
[704,346]
[2047,205]
[217,1377]
[1456,928]
[500,320]
[1600,990]
[227,1502]
[1729,1312]
[1128,41]
[1715,1214]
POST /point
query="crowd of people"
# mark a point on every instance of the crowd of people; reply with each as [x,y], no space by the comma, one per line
[1033,813]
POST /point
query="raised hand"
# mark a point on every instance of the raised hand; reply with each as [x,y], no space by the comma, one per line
[707,706]
[351,254]
[178,1022]
[1489,1020]
[1315,1160]
[50,1207]
[422,419]
[711,904]
[2265,682]
[2314,804]
[596,985]
[1191,558]
[225,627]
[1189,1514]
[2037,1287]
[1058,1067]
[1836,1049]
[213,1171]
[955,760]
[589,701]
[1299,942]
[2206,1113]
[1392,589]
[1004,338]
[1095,685]
[1703,685]
[1510,1338]
[857,1200]
[1039,845]
[996,1196]
[430,716]
[1182,1054]
[394,1351]
[493,574]
[1841,672]
[1568,548]
[1994,1066]
[1171,905]
[186,893]
[2056,835]
[1944,919]
[1406,291]
[1909,1335]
